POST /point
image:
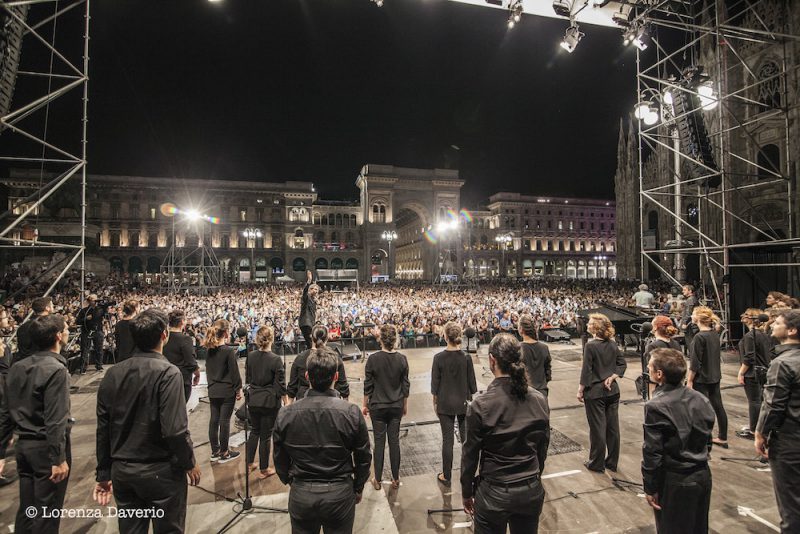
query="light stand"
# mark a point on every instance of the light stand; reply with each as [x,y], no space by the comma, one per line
[503,241]
[252,234]
[389,236]
[247,501]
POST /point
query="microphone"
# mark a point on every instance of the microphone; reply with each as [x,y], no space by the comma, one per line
[762,318]
[647,327]
[241,332]
[469,332]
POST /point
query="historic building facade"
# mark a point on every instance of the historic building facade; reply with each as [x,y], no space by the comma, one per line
[407,223]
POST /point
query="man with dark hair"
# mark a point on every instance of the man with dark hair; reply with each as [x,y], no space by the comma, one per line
[778,429]
[308,309]
[179,350]
[677,441]
[36,406]
[122,330]
[321,446]
[690,302]
[90,319]
[41,307]
[144,450]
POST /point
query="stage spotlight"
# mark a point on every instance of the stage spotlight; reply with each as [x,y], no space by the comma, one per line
[642,109]
[708,99]
[600,3]
[563,8]
[571,38]
[642,39]
[514,13]
[193,215]
[441,227]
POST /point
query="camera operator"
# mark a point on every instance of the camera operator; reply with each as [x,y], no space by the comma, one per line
[37,406]
[122,330]
[90,319]
[41,306]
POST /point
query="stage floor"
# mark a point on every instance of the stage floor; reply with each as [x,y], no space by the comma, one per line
[578,500]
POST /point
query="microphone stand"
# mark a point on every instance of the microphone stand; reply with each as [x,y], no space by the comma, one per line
[246,501]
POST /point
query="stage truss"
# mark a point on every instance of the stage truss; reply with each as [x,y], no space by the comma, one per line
[717,36]
[34,26]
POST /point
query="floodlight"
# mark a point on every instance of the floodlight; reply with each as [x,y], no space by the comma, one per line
[441,227]
[642,39]
[708,99]
[193,215]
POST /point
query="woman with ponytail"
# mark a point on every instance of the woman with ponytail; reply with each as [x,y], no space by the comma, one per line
[535,355]
[603,364]
[298,383]
[224,388]
[663,331]
[705,370]
[508,432]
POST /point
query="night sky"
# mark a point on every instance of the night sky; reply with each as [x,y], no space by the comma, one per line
[311,90]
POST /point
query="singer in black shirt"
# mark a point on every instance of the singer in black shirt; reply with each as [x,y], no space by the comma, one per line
[322,450]
[663,332]
[705,371]
[122,331]
[298,383]
[677,441]
[603,364]
[36,406]
[144,450]
[452,385]
[41,306]
[386,390]
[535,356]
[778,430]
[266,388]
[508,432]
[224,388]
[755,355]
[179,350]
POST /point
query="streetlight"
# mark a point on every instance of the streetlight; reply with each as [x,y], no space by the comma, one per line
[252,234]
[389,235]
[503,241]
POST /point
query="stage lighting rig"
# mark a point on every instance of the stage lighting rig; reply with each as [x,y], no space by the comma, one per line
[514,13]
[563,8]
[571,37]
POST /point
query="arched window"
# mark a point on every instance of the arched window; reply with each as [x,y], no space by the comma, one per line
[338,219]
[349,239]
[324,220]
[334,237]
[769,162]
[317,218]
[353,221]
[769,86]
[133,239]
[113,239]
[337,263]
[379,213]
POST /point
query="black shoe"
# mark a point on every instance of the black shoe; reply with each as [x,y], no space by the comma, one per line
[611,467]
[586,465]
[214,456]
[746,434]
[227,457]
[723,444]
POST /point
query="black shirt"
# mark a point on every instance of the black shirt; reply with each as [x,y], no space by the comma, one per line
[308,308]
[222,370]
[657,344]
[266,378]
[124,339]
[24,341]
[141,415]
[298,385]
[755,350]
[90,318]
[36,404]
[536,357]
[677,434]
[704,357]
[452,382]
[322,438]
[386,380]
[781,402]
[179,351]
[689,304]
[509,437]
[601,359]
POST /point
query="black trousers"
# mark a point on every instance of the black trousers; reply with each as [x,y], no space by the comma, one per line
[447,422]
[97,350]
[753,390]
[517,506]
[386,422]
[219,426]
[262,420]
[306,331]
[684,500]
[603,417]
[36,492]
[784,459]
[158,488]
[712,392]
[187,385]
[327,505]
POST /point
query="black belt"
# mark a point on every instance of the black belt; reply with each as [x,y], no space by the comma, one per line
[519,483]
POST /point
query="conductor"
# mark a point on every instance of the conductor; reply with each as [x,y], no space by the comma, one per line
[308,309]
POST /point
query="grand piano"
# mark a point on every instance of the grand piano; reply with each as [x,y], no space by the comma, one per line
[622,317]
